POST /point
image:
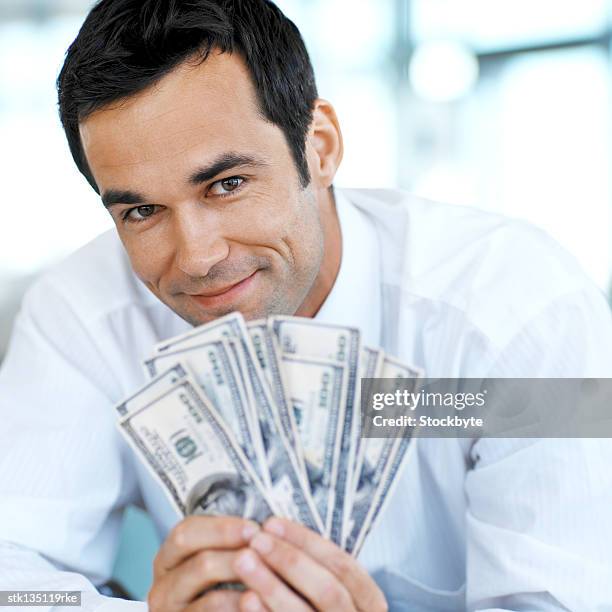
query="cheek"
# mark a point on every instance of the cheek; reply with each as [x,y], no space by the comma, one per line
[150,255]
[304,224]
[288,217]
[302,240]
[261,217]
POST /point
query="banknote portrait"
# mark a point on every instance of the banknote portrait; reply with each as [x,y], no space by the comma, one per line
[226,494]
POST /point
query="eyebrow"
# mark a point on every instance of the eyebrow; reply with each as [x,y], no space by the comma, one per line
[225,162]
[121,196]
[222,163]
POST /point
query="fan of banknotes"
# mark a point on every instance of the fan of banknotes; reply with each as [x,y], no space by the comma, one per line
[263,417]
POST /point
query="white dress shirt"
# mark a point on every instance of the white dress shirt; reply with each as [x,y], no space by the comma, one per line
[355,298]
[471,524]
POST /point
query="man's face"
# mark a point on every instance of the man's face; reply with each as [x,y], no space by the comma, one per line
[205,194]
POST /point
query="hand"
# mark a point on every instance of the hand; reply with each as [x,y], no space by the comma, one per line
[199,553]
[289,567]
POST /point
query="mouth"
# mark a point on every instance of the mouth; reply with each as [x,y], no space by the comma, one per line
[225,294]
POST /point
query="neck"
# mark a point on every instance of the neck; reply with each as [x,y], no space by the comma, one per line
[332,255]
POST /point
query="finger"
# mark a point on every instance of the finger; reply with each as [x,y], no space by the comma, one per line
[200,572]
[197,532]
[251,602]
[271,590]
[216,601]
[364,591]
[308,577]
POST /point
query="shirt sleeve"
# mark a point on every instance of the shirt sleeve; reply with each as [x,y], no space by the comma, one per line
[538,530]
[65,474]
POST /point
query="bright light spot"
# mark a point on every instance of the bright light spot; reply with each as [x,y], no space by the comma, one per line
[443,71]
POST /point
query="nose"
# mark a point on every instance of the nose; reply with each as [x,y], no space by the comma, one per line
[199,243]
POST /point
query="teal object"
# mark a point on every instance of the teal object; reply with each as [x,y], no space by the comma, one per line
[138,546]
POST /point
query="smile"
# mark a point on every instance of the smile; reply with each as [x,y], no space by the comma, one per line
[226,294]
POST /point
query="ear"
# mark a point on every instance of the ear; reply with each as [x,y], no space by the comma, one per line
[324,145]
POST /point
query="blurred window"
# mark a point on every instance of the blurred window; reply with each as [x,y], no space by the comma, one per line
[532,138]
[488,25]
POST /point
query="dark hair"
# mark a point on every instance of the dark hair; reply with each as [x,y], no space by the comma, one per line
[125,46]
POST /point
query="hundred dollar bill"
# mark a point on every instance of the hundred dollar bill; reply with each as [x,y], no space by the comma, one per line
[191,451]
[287,485]
[223,328]
[370,366]
[161,383]
[376,455]
[228,326]
[264,344]
[400,452]
[309,338]
[213,366]
[317,393]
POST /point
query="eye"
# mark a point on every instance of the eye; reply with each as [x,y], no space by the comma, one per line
[226,186]
[139,213]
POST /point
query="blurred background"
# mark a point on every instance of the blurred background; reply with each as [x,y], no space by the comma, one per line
[499,104]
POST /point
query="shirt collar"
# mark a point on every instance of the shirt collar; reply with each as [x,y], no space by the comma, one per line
[354,299]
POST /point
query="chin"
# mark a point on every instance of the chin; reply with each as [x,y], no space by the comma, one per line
[200,317]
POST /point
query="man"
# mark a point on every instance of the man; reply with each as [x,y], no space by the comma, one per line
[198,123]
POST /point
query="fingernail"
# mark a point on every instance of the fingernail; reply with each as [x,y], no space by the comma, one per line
[252,603]
[249,530]
[262,543]
[246,562]
[275,526]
